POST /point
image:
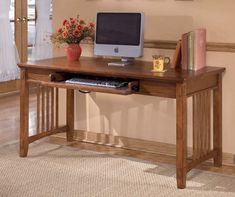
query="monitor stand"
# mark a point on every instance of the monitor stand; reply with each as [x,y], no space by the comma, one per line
[124,62]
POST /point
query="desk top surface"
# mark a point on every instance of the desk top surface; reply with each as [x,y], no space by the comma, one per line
[99,67]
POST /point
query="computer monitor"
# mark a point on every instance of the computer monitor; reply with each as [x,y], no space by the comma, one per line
[119,34]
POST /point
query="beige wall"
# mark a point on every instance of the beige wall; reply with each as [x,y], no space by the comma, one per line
[146,117]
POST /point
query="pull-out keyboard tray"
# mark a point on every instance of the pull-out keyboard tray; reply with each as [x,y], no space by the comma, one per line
[86,83]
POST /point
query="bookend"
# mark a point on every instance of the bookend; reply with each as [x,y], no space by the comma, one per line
[176,61]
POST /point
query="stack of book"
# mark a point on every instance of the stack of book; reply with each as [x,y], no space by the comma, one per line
[193,49]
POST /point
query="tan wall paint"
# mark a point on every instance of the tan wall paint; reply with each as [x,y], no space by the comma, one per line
[145,117]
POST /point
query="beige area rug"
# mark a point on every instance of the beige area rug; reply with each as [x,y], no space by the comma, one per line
[55,170]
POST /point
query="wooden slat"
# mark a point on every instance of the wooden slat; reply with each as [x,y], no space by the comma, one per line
[38,107]
[208,122]
[70,114]
[47,108]
[195,127]
[208,134]
[217,122]
[57,107]
[52,108]
[43,109]
[201,123]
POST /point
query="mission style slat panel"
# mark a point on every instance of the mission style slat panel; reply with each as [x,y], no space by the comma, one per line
[201,124]
[47,109]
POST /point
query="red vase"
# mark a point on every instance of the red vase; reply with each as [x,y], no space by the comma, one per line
[73,52]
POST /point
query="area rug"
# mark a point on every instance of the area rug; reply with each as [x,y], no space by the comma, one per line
[58,170]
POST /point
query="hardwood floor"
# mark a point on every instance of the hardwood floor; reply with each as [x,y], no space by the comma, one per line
[10,116]
[9,131]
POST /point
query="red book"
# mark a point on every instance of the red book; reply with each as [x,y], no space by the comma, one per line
[199,49]
[184,51]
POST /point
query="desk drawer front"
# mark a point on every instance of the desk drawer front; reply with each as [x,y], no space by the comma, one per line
[40,75]
[157,89]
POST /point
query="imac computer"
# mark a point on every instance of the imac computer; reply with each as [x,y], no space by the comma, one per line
[119,34]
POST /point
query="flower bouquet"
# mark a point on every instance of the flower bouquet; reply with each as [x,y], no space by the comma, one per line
[72,32]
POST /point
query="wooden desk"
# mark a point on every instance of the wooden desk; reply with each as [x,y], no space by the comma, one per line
[179,85]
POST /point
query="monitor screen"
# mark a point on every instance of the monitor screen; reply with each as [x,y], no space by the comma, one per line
[119,34]
[118,28]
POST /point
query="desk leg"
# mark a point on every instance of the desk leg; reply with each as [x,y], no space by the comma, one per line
[70,114]
[24,114]
[217,122]
[181,135]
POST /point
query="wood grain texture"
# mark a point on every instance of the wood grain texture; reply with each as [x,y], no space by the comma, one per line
[217,122]
[43,109]
[166,90]
[200,83]
[52,108]
[130,89]
[47,108]
[195,162]
[56,107]
[181,135]
[9,86]
[137,148]
[174,83]
[99,67]
[24,114]
[176,60]
[70,114]
[201,124]
[38,107]
[47,133]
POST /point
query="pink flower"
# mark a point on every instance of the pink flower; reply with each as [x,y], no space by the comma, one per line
[76,33]
[65,34]
[59,30]
[72,20]
[65,22]
[91,25]
[67,26]
[79,27]
[73,30]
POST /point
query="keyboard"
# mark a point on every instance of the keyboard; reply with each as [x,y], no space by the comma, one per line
[98,81]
